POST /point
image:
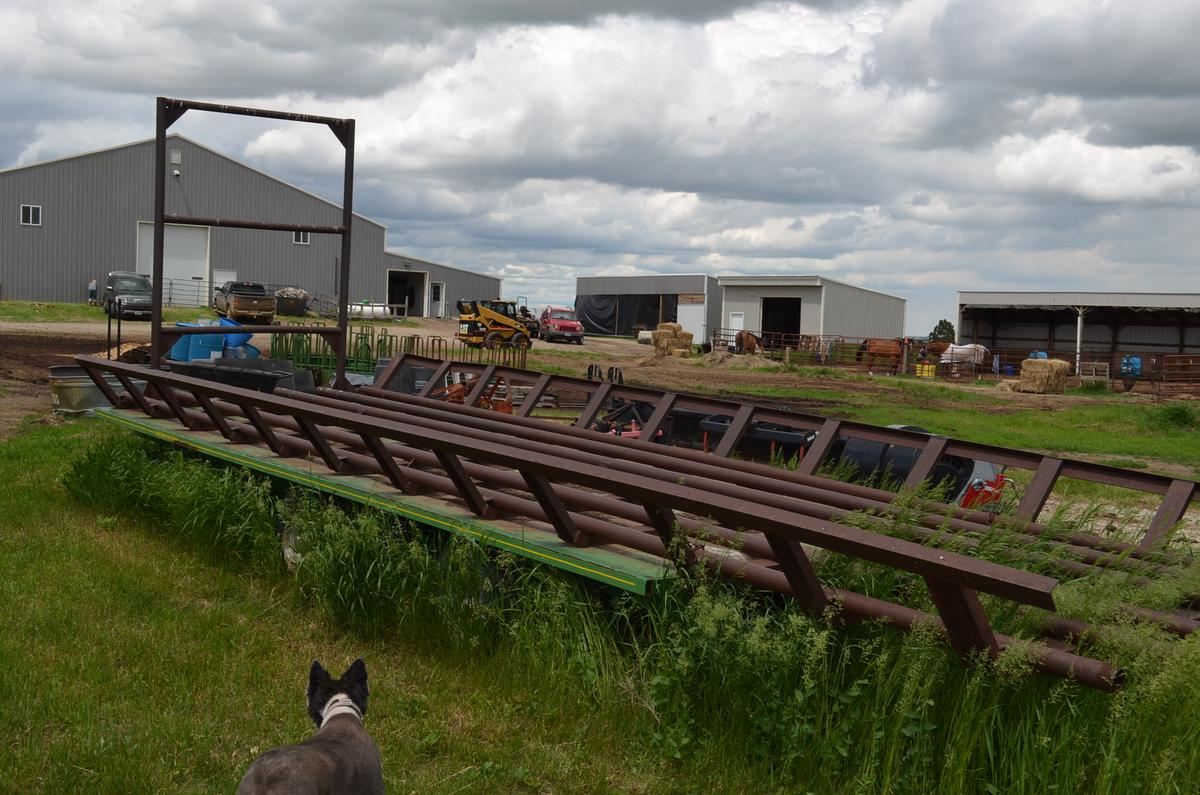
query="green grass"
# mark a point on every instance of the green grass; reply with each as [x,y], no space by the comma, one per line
[39,312]
[153,643]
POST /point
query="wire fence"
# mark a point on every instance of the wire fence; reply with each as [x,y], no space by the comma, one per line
[1178,372]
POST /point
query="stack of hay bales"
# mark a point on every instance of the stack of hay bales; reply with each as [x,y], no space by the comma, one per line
[671,340]
[1044,376]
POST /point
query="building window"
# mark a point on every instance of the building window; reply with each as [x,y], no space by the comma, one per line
[176,156]
[31,215]
[300,238]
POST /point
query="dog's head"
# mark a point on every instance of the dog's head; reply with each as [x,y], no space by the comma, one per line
[322,687]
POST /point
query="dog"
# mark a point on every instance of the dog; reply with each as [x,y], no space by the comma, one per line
[340,758]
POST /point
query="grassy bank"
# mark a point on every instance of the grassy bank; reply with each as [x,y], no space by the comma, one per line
[155,643]
[43,312]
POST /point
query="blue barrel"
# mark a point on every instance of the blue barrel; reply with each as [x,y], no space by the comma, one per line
[203,346]
[234,340]
[1131,366]
[179,351]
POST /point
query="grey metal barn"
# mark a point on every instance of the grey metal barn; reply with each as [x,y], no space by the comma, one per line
[809,305]
[65,221]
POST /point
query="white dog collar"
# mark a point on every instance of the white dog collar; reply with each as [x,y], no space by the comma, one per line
[341,704]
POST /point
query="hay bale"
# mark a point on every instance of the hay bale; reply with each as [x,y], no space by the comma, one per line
[1044,376]
[683,339]
[662,345]
[681,353]
[674,328]
[661,336]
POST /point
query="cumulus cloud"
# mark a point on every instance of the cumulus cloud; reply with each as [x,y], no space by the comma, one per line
[1066,162]
[916,147]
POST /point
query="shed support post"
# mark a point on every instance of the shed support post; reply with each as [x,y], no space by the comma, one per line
[1079,337]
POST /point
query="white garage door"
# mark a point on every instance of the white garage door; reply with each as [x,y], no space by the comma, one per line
[185,262]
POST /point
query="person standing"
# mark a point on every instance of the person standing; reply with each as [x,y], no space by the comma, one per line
[92,288]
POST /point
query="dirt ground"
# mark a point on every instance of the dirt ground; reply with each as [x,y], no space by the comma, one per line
[28,349]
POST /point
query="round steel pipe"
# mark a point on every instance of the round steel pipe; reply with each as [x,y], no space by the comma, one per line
[708,476]
[809,487]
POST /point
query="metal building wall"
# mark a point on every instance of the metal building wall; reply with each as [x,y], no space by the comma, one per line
[1097,338]
[850,311]
[91,206]
[88,206]
[660,284]
[461,285]
[713,306]
[748,300]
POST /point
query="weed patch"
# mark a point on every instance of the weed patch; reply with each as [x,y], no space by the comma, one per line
[708,674]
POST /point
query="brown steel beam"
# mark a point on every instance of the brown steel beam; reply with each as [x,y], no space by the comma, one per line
[552,505]
[481,383]
[661,412]
[436,380]
[931,453]
[465,486]
[1170,511]
[819,449]
[395,473]
[1038,490]
[965,621]
[530,401]
[737,428]
[595,405]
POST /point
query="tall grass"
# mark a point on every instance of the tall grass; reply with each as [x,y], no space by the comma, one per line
[707,670]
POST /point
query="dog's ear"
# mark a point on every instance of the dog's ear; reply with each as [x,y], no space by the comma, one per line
[319,691]
[317,675]
[355,682]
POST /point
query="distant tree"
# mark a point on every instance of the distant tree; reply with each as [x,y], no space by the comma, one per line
[944,331]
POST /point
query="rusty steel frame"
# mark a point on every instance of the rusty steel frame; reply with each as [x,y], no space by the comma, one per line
[1177,493]
[168,111]
[503,466]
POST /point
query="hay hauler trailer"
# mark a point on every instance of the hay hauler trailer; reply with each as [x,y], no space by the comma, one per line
[627,511]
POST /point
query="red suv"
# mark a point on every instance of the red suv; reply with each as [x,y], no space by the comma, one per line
[559,322]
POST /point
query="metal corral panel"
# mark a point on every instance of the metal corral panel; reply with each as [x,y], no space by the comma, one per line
[850,311]
[92,204]
[747,299]
[1069,299]
[658,284]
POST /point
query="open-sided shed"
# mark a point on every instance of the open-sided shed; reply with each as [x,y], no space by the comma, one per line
[1082,325]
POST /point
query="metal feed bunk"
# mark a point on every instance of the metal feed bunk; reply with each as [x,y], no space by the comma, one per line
[744,520]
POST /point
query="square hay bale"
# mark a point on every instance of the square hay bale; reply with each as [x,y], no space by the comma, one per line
[674,328]
[683,339]
[1044,376]
[681,353]
[661,336]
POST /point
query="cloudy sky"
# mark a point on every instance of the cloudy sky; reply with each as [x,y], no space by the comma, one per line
[912,147]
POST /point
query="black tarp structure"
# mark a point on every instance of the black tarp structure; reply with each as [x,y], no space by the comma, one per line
[619,314]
